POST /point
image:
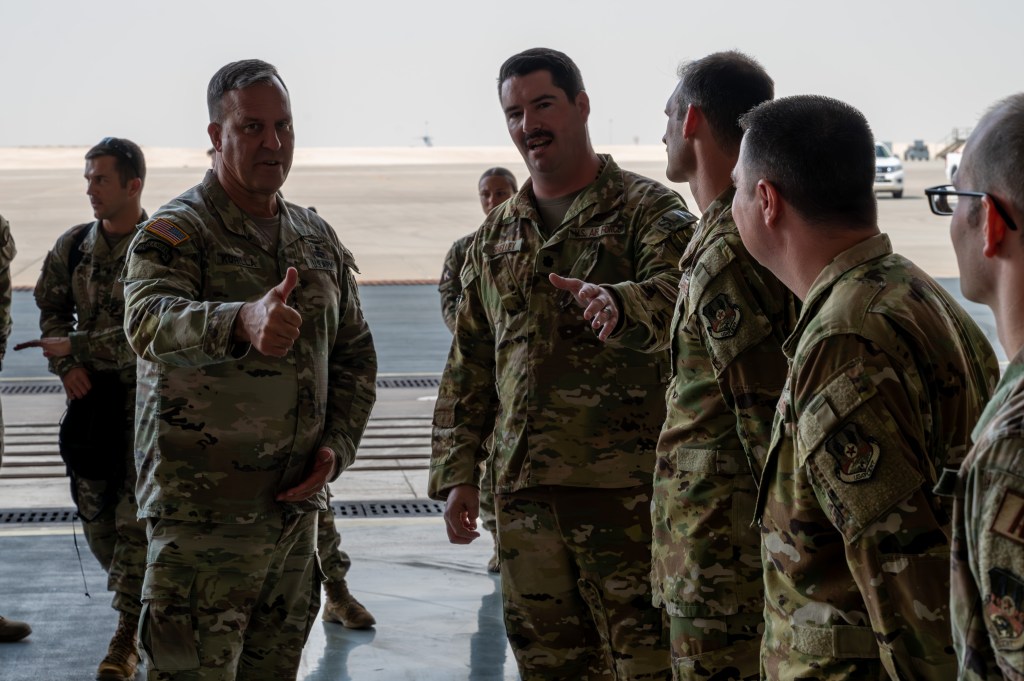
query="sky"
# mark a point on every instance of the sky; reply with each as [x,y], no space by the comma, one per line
[385,73]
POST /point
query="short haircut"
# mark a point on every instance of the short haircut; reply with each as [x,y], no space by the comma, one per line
[818,153]
[996,159]
[500,172]
[130,162]
[564,72]
[724,86]
[238,75]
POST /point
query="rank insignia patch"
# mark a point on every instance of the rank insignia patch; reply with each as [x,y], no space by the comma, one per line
[1003,606]
[1009,520]
[722,317]
[168,231]
[856,456]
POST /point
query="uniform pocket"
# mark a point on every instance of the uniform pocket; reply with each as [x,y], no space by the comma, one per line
[167,632]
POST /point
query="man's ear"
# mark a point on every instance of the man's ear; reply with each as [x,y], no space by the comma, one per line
[583,102]
[770,202]
[213,130]
[690,122]
[994,227]
[134,186]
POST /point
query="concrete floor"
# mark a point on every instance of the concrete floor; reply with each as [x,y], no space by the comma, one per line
[438,610]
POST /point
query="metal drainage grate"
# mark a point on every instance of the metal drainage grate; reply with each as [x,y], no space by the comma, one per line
[31,388]
[417,508]
[409,382]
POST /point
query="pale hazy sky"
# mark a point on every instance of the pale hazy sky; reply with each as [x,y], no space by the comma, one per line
[377,73]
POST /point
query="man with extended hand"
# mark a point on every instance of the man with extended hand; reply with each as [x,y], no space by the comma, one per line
[255,383]
[575,408]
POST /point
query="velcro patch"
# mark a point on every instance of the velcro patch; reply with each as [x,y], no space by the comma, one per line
[237,259]
[503,247]
[596,231]
[168,231]
[1004,606]
[321,264]
[1009,520]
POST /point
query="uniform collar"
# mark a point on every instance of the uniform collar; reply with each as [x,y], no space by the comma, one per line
[1007,386]
[872,248]
[235,220]
[602,195]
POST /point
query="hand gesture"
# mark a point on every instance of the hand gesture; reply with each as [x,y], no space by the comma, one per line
[269,324]
[599,306]
[52,346]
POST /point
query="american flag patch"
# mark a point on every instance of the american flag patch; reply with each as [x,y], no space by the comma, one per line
[168,231]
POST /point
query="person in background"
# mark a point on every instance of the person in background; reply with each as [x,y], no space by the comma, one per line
[496,185]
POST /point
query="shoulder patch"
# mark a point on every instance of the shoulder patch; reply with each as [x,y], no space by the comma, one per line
[1009,520]
[1004,606]
[856,455]
[722,317]
[168,231]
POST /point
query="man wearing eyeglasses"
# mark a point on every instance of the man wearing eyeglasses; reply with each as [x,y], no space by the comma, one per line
[986,202]
[887,375]
[81,305]
[257,374]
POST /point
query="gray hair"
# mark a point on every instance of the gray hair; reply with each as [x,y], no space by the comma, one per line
[238,75]
[996,158]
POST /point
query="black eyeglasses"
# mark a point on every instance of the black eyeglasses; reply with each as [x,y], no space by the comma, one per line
[943,199]
[122,150]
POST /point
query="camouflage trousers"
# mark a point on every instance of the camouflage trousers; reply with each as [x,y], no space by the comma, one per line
[115,534]
[731,649]
[575,573]
[224,602]
[334,562]
[487,518]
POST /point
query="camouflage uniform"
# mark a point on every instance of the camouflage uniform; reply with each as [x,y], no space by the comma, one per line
[988,539]
[334,562]
[87,306]
[222,429]
[573,419]
[450,288]
[887,376]
[7,253]
[731,319]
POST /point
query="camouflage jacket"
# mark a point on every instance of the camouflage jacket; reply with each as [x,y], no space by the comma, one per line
[87,305]
[988,539]
[450,286]
[887,376]
[566,408]
[7,253]
[221,428]
[731,319]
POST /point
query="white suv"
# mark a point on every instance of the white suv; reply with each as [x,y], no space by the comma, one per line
[888,172]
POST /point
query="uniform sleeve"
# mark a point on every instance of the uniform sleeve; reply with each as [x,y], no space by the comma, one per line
[743,316]
[7,253]
[450,286]
[352,376]
[102,348]
[56,303]
[164,319]
[993,506]
[664,227]
[859,438]
[465,411]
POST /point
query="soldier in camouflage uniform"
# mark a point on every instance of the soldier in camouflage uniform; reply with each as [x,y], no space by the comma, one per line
[573,417]
[341,606]
[887,375]
[987,205]
[256,380]
[10,630]
[495,186]
[81,316]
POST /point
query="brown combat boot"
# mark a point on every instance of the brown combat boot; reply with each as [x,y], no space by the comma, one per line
[343,608]
[123,654]
[13,630]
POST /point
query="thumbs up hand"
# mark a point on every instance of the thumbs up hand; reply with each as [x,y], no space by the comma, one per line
[269,324]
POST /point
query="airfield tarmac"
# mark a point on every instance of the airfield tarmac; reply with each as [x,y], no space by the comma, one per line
[397,210]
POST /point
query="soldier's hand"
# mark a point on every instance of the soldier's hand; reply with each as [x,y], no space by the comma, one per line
[76,383]
[269,324]
[323,470]
[599,306]
[52,346]
[460,513]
